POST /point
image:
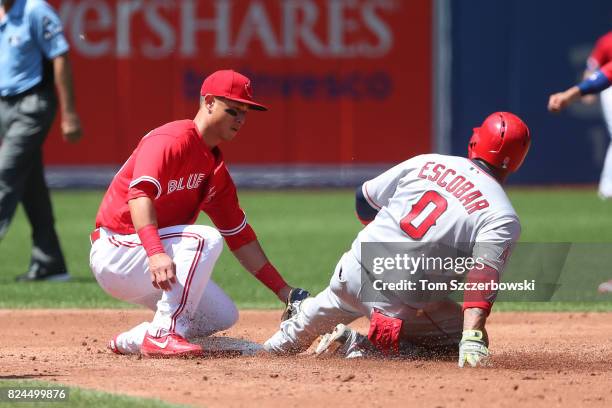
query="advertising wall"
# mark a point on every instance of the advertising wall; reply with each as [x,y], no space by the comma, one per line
[347,81]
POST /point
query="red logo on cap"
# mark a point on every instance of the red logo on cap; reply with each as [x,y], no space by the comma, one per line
[247,88]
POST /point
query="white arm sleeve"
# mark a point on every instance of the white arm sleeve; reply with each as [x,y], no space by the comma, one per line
[495,241]
[379,190]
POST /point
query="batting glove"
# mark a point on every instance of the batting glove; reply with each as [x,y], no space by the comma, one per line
[294,300]
[472,349]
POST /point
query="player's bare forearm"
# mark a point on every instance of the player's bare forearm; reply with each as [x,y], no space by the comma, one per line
[559,101]
[62,71]
[252,257]
[142,212]
[573,94]
[161,266]
[475,318]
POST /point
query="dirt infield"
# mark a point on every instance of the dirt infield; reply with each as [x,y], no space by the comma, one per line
[540,360]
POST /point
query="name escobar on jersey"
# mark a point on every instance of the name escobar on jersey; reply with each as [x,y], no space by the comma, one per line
[458,186]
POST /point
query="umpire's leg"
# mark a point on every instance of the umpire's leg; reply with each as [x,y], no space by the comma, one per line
[25,123]
[36,202]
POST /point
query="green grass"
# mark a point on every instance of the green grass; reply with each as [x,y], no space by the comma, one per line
[303,232]
[562,215]
[80,398]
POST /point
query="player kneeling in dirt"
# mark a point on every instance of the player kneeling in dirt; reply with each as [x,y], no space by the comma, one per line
[146,249]
[426,203]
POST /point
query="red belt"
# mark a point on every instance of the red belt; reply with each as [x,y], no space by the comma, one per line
[94,236]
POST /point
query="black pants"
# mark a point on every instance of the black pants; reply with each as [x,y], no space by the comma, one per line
[24,124]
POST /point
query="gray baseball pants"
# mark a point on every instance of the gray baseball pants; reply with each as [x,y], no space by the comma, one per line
[438,324]
[25,121]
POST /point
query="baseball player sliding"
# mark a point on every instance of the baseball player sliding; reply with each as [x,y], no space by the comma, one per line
[598,81]
[145,248]
[426,203]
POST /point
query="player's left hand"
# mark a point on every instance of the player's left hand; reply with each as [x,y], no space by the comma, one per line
[472,349]
[292,304]
[71,127]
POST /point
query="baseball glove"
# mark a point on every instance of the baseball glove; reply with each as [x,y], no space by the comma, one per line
[292,304]
[472,349]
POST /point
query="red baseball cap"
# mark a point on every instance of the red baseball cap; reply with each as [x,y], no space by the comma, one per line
[231,85]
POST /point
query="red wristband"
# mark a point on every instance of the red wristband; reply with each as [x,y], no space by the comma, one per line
[149,237]
[482,299]
[486,306]
[269,276]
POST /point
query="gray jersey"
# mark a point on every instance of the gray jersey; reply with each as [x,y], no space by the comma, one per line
[445,200]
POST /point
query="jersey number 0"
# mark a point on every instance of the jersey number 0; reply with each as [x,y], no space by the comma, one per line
[435,203]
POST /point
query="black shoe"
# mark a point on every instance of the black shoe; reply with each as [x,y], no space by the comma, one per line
[38,272]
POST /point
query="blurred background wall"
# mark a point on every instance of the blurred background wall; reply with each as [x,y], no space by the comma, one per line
[353,86]
[512,55]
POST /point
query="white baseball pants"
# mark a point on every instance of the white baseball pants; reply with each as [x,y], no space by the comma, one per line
[195,306]
[605,182]
[436,324]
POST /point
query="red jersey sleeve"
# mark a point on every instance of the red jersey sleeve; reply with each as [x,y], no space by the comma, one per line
[221,205]
[150,160]
[602,52]
[607,71]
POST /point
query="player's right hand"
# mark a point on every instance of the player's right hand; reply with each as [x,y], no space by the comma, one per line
[557,102]
[472,349]
[163,271]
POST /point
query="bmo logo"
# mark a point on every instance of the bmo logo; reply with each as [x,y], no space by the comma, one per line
[157,29]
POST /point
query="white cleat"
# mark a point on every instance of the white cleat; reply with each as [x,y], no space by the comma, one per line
[604,197]
[342,341]
[280,344]
[605,287]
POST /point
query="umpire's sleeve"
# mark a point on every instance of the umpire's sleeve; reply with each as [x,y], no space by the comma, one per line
[365,212]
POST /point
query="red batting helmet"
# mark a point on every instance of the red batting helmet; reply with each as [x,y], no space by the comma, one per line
[502,140]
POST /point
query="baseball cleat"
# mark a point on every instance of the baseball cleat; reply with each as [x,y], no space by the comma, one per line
[112,345]
[169,345]
[604,197]
[42,273]
[342,341]
[280,344]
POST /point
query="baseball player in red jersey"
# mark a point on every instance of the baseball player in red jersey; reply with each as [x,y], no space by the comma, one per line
[600,56]
[428,204]
[597,64]
[146,249]
[598,81]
